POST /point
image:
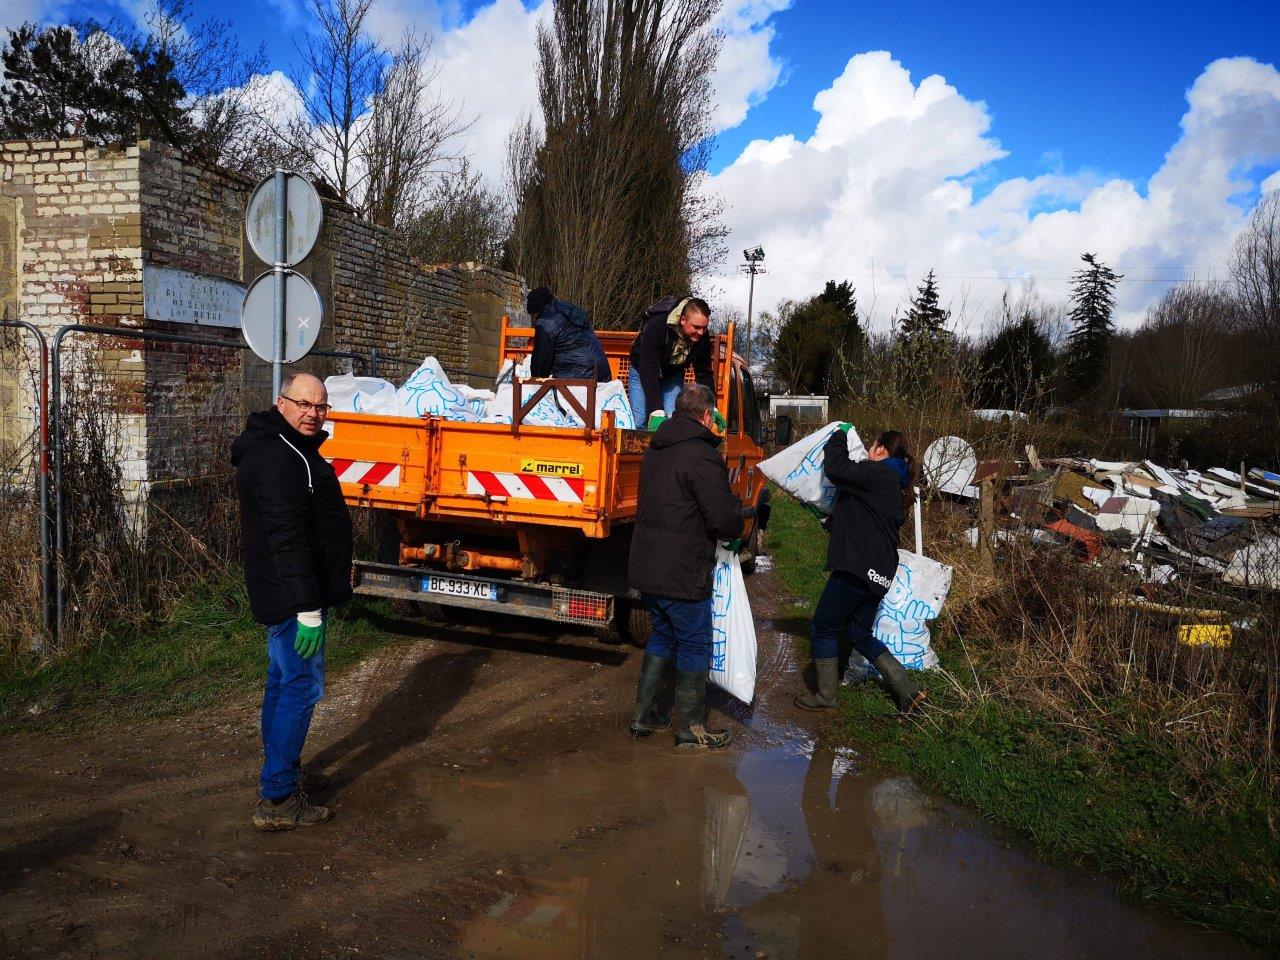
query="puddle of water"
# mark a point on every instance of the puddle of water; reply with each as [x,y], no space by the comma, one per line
[791,849]
[869,867]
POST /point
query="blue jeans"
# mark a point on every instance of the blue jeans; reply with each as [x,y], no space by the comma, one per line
[682,627]
[671,387]
[294,687]
[846,603]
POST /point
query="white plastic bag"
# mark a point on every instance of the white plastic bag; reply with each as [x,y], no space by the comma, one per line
[919,589]
[733,632]
[477,400]
[522,371]
[553,412]
[798,469]
[546,413]
[351,394]
[612,397]
[428,392]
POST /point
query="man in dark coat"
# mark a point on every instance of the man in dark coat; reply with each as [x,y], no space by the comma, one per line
[685,506]
[297,564]
[673,337]
[564,345]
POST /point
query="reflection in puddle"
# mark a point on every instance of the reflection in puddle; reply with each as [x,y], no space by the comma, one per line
[544,920]
[791,850]
[870,867]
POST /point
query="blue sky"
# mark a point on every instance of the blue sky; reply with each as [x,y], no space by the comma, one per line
[1097,85]
[991,142]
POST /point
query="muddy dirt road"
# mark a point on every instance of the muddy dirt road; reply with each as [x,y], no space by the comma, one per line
[489,804]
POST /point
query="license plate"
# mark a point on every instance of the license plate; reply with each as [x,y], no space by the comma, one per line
[460,588]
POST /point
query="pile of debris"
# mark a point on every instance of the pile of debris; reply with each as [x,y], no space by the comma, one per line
[1163,523]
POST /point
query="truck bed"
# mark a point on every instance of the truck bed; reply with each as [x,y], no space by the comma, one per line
[446,470]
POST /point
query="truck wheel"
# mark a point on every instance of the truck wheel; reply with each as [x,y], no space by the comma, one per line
[639,624]
[630,624]
[753,550]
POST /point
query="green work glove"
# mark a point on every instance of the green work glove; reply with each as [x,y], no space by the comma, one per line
[718,420]
[733,546]
[309,640]
[846,427]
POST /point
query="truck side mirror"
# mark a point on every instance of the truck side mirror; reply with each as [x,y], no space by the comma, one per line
[782,430]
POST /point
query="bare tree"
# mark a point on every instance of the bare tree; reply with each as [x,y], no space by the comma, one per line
[1255,275]
[342,71]
[406,146]
[1184,348]
[607,198]
[462,220]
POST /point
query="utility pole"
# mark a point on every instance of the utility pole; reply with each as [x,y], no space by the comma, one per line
[754,265]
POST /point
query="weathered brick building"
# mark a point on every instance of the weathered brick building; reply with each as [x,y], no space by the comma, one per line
[143,237]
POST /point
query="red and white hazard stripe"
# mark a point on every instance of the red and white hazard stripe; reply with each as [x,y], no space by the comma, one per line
[525,486]
[367,473]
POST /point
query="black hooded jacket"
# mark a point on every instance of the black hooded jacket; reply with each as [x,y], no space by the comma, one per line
[652,348]
[685,506]
[564,345]
[297,532]
[867,517]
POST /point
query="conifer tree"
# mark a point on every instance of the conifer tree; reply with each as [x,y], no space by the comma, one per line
[844,341]
[81,82]
[925,320]
[1092,301]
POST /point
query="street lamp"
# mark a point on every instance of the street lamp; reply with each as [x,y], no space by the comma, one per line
[754,265]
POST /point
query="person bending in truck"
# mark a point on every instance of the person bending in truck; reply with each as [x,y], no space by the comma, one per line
[872,498]
[297,565]
[564,345]
[685,506]
[673,336]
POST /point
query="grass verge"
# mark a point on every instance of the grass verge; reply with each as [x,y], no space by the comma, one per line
[205,649]
[1090,793]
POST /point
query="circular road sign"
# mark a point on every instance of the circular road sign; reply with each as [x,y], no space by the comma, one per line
[303,314]
[304,214]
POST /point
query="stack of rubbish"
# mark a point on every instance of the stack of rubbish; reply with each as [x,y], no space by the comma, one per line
[1165,522]
[429,392]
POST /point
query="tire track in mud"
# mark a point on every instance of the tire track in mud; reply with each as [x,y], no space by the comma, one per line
[163,860]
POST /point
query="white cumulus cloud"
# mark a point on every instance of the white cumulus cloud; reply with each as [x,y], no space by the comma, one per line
[884,190]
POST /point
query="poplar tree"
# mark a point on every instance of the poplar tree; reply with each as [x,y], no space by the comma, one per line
[608,190]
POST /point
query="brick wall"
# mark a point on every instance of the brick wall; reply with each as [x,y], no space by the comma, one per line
[79,260]
[86,220]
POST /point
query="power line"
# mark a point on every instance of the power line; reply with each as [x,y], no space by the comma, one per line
[999,278]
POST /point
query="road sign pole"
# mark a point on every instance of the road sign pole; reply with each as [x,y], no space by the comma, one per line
[281,314]
[281,255]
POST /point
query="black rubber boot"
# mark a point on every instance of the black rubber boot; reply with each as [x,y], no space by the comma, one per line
[828,674]
[691,708]
[647,719]
[898,683]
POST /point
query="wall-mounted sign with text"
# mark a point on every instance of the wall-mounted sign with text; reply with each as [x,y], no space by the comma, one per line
[180,296]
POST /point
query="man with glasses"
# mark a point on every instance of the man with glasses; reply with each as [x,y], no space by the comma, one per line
[297,564]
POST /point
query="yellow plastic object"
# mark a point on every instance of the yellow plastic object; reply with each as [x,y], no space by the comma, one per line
[1205,634]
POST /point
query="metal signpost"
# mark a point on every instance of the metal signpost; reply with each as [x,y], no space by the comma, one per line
[282,222]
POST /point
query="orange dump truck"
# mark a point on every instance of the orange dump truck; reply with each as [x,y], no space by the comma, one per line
[522,519]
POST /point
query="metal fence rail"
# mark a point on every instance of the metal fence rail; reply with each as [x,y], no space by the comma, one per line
[46,400]
[37,437]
